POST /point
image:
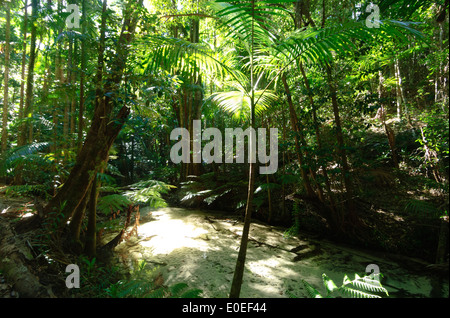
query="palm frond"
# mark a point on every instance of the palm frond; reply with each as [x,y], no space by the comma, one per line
[238,103]
[316,45]
[181,56]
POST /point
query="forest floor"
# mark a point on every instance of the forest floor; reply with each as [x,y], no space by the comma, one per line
[199,248]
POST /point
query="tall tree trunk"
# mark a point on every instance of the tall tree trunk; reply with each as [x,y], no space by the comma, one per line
[25,131]
[319,146]
[82,78]
[67,101]
[388,130]
[20,140]
[238,276]
[401,100]
[6,78]
[351,215]
[196,96]
[105,125]
[295,129]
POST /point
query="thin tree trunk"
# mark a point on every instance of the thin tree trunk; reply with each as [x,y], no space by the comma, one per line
[401,100]
[91,232]
[6,78]
[73,95]
[349,192]
[25,132]
[75,224]
[388,130]
[294,124]
[20,140]
[240,262]
[319,146]
[238,276]
[67,100]
[82,79]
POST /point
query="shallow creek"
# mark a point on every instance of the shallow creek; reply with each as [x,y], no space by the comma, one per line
[200,248]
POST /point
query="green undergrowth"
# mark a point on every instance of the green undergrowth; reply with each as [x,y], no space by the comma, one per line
[115,281]
[360,287]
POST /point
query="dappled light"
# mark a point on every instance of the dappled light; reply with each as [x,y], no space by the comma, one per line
[187,247]
[224,149]
[169,234]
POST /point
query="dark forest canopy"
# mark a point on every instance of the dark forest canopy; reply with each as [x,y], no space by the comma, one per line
[95,94]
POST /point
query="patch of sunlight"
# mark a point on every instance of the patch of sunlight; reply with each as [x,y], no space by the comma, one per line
[170,235]
[392,215]
[270,268]
[5,210]
[260,290]
[27,215]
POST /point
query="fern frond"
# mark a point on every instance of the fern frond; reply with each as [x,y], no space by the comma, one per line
[12,157]
[177,288]
[355,293]
[192,293]
[367,283]
[312,292]
[148,192]
[420,207]
[27,189]
[329,284]
[112,203]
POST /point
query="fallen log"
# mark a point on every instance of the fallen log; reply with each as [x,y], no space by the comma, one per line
[14,255]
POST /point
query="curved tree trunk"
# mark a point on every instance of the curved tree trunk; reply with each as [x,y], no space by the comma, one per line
[104,128]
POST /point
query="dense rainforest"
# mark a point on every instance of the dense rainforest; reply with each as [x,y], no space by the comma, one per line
[256,125]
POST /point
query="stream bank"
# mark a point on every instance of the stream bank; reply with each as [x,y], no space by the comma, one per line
[200,248]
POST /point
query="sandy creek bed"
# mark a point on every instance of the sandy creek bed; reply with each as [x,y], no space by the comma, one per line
[200,249]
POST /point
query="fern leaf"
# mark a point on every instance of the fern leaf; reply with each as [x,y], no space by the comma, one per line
[312,292]
[157,293]
[329,284]
[113,202]
[369,284]
[355,293]
[192,293]
[177,288]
